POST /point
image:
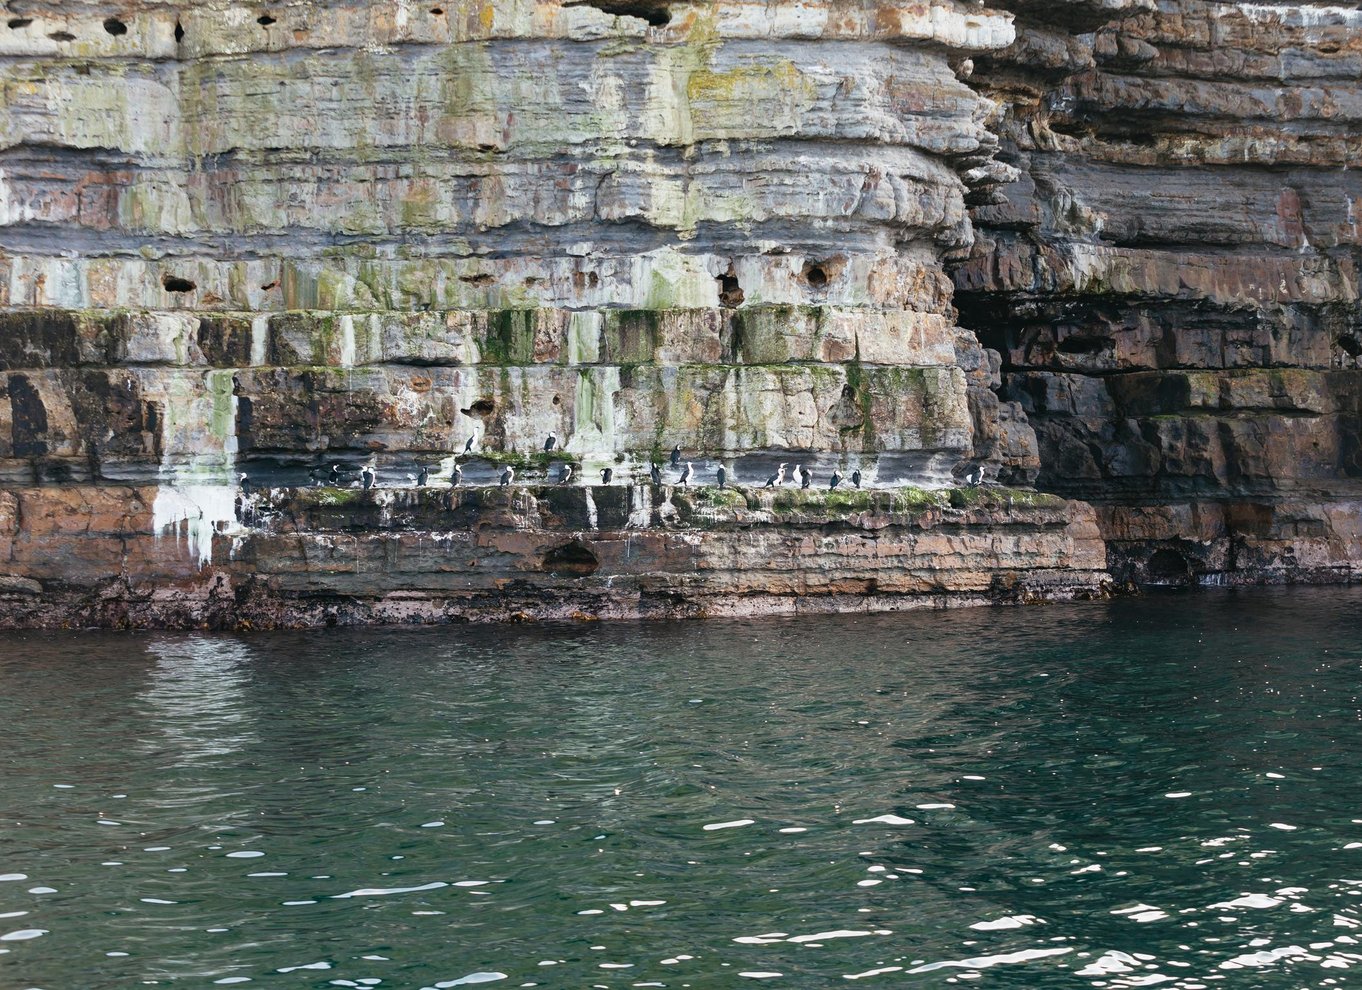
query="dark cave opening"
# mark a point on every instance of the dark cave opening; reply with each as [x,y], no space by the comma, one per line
[655,13]
[174,283]
[571,560]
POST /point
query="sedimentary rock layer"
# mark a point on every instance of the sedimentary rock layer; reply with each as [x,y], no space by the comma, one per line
[101,556]
[1173,280]
[1109,247]
[288,240]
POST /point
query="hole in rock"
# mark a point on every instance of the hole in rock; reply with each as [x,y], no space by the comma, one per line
[483,407]
[1168,566]
[570,560]
[1351,344]
[1083,345]
[179,32]
[818,275]
[115,27]
[174,283]
[264,20]
[16,23]
[557,401]
[730,292]
[655,13]
[62,36]
[437,11]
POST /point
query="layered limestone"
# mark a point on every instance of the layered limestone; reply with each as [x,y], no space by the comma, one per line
[290,240]
[1108,248]
[338,556]
[1102,247]
[1173,280]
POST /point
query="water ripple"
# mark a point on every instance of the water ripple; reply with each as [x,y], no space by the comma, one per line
[1148,793]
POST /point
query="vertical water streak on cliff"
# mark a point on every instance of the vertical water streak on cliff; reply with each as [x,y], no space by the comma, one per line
[592,515]
[197,491]
[583,337]
[260,339]
[640,506]
[346,325]
[594,427]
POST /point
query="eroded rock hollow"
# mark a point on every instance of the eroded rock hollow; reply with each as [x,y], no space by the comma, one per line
[1103,249]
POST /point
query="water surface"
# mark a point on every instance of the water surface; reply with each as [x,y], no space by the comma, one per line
[1162,791]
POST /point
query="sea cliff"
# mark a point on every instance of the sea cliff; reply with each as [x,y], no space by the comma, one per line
[1100,254]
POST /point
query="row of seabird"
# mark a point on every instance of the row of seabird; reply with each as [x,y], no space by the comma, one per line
[368,478]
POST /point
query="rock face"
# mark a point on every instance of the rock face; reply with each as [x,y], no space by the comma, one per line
[270,238]
[331,556]
[1173,283]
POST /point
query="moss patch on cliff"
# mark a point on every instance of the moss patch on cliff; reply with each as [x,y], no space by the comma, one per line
[510,337]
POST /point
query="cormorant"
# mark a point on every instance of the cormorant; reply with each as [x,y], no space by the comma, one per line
[856,477]
[468,447]
[805,477]
[565,474]
[676,456]
[776,479]
[507,476]
[975,476]
[655,474]
[549,443]
[836,479]
[723,475]
[606,475]
[685,474]
[456,476]
[245,484]
[422,476]
[367,477]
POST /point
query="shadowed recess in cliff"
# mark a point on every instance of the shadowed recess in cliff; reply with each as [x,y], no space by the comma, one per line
[656,12]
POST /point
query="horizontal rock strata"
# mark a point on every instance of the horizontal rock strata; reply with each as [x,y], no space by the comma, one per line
[1106,247]
[105,556]
[1173,281]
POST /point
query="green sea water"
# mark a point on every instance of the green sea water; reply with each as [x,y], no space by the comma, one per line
[1161,791]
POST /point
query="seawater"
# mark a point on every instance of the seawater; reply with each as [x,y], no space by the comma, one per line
[1160,791]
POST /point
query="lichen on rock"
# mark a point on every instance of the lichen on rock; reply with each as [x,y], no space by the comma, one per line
[1105,247]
